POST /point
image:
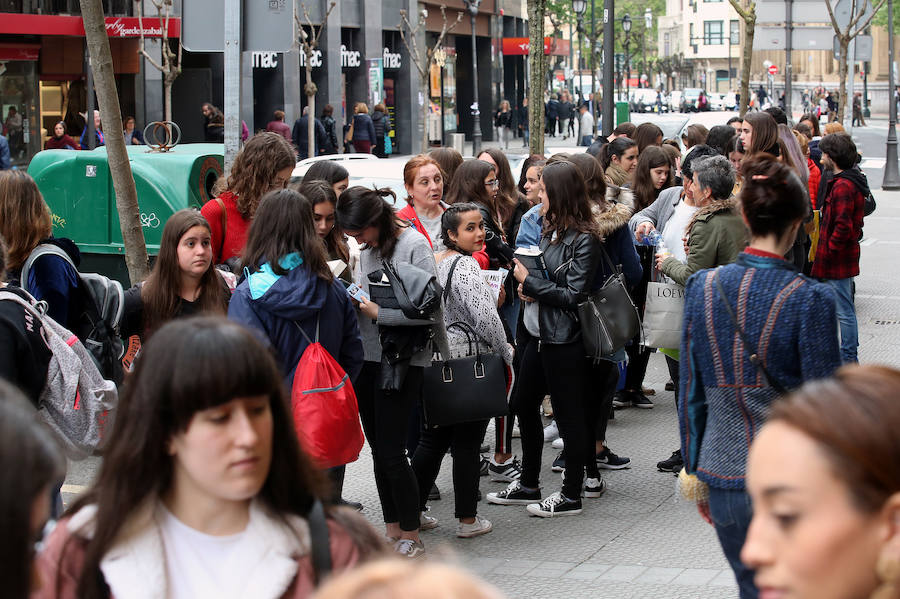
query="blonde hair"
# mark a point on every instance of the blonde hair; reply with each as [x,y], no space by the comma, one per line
[834,128]
[24,216]
[803,142]
[361,108]
[398,579]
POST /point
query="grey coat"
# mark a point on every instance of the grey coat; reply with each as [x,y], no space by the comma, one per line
[659,212]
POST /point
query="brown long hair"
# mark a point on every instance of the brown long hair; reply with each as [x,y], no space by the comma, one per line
[283,225]
[160,292]
[765,133]
[449,160]
[190,365]
[570,207]
[854,417]
[509,193]
[645,192]
[24,216]
[594,178]
[255,167]
[318,192]
[646,135]
[361,207]
[468,186]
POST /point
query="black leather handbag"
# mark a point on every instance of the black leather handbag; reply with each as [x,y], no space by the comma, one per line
[465,389]
[417,291]
[609,319]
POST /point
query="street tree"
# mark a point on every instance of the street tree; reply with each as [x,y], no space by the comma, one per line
[119,166]
[858,24]
[309,41]
[170,63]
[410,37]
[537,68]
[746,10]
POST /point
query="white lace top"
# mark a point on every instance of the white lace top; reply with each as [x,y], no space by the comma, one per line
[470,300]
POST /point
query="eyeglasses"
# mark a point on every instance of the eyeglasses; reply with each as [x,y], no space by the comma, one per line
[493,183]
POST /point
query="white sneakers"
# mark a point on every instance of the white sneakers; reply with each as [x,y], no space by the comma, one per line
[551,432]
[481,526]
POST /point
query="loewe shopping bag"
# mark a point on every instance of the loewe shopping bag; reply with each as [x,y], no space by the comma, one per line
[663,313]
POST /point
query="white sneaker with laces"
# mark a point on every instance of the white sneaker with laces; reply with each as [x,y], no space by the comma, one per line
[551,432]
[555,505]
[427,522]
[409,549]
[558,443]
[481,526]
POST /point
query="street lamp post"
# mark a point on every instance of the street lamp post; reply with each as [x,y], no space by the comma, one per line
[579,6]
[626,27]
[609,50]
[472,7]
[648,26]
[891,170]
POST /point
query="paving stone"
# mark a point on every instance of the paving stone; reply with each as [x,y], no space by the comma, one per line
[696,576]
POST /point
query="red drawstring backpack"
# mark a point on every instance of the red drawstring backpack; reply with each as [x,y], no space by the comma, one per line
[326,415]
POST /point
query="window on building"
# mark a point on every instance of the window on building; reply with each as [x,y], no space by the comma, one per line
[693,40]
[667,50]
[712,33]
[735,33]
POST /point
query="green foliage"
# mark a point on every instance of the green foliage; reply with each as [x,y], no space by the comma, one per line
[881,18]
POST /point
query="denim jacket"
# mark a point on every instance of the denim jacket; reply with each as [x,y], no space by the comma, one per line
[530,228]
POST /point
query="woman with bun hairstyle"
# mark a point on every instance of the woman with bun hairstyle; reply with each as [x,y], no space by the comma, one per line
[424,182]
[787,320]
[619,159]
[826,510]
[184,281]
[759,133]
[203,490]
[264,163]
[331,172]
[389,391]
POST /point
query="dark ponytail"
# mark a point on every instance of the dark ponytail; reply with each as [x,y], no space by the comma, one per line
[772,196]
[616,147]
[361,207]
[450,220]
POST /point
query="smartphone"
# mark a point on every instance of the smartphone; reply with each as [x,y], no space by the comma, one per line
[356,292]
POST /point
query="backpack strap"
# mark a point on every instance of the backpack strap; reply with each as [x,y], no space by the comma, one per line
[43,249]
[754,357]
[305,336]
[223,224]
[320,542]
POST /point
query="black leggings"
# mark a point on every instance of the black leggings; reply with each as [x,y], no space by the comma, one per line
[385,420]
[464,442]
[604,378]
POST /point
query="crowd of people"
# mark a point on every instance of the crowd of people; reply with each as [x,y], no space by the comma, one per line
[205,490]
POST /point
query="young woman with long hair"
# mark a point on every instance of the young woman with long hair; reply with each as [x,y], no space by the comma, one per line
[470,300]
[389,391]
[651,175]
[694,135]
[619,159]
[323,201]
[362,133]
[531,192]
[646,135]
[292,298]
[759,133]
[791,154]
[476,181]
[31,466]
[183,281]
[424,181]
[331,172]
[449,160]
[264,163]
[203,483]
[725,393]
[510,202]
[570,244]
[60,140]
[25,224]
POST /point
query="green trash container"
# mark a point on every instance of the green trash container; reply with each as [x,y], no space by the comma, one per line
[623,113]
[78,188]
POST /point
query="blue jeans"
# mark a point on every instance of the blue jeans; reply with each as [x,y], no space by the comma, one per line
[731,513]
[587,140]
[846,313]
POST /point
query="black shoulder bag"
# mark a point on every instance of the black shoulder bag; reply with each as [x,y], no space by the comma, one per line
[754,357]
[608,317]
[417,290]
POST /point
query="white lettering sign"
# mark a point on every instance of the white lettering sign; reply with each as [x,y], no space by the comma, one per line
[391,60]
[349,58]
[264,60]
[315,61]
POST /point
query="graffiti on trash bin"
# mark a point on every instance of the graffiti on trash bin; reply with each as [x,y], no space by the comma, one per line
[58,221]
[150,221]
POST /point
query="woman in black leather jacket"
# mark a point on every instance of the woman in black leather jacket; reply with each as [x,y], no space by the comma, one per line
[554,348]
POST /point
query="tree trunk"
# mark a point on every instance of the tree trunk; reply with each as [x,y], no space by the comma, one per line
[426,109]
[746,55]
[843,68]
[536,11]
[119,167]
[167,100]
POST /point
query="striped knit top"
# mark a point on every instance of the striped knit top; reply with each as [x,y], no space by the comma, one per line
[724,398]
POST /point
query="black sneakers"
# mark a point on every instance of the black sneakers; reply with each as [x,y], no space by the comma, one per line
[673,464]
[514,494]
[559,464]
[623,399]
[610,461]
[555,505]
[507,472]
[594,487]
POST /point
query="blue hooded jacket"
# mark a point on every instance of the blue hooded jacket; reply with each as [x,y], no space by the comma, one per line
[273,306]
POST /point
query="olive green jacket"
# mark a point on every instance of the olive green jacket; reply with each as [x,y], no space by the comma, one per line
[716,235]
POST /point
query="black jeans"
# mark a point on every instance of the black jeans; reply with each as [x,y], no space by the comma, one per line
[464,442]
[604,378]
[638,358]
[528,392]
[385,419]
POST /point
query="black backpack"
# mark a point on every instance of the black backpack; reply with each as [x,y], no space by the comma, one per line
[94,315]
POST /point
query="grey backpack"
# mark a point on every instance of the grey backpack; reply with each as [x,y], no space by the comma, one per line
[76,402]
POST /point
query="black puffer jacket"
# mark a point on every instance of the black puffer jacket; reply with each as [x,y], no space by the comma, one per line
[572,264]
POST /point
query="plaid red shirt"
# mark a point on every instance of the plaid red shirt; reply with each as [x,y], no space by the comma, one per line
[837,256]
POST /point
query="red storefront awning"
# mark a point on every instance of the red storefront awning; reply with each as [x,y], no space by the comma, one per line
[518,46]
[116,27]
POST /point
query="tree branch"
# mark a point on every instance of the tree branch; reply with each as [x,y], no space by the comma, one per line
[834,23]
[738,9]
[862,27]
[411,47]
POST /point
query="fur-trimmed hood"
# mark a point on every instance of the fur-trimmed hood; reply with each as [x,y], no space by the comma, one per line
[620,195]
[706,212]
[611,217]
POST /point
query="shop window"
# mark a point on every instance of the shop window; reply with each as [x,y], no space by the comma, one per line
[18,107]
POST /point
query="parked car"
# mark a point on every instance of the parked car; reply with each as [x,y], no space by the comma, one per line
[643,100]
[689,99]
[730,101]
[716,101]
[674,101]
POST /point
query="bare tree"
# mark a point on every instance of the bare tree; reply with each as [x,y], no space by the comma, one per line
[119,167]
[170,66]
[410,37]
[536,63]
[308,44]
[857,25]
[747,13]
